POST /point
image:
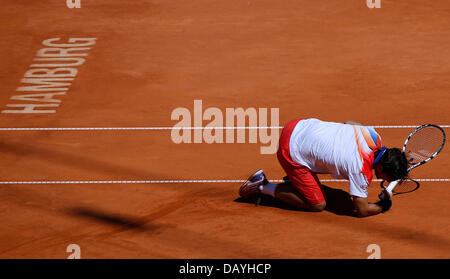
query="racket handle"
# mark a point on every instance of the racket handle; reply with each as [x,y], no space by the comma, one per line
[392,186]
[389,188]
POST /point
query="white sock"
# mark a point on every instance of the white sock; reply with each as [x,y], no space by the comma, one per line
[268,189]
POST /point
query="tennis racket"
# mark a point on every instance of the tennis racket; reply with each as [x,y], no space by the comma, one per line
[420,147]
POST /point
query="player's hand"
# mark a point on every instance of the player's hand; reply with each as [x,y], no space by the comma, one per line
[385,201]
[385,194]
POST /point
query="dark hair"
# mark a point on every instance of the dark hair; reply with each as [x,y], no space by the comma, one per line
[394,163]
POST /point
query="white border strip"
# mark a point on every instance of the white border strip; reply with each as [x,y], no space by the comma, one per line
[183,128]
[184,181]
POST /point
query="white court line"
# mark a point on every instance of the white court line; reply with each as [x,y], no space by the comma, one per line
[184,128]
[176,181]
[185,181]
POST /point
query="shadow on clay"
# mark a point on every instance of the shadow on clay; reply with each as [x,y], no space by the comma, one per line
[339,202]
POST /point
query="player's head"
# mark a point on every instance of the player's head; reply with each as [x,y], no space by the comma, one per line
[390,164]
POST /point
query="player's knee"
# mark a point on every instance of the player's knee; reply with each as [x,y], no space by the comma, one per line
[318,207]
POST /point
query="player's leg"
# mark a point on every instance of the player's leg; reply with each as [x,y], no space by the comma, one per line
[304,193]
[290,195]
[302,190]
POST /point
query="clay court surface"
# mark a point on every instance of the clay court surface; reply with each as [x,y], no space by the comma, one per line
[332,60]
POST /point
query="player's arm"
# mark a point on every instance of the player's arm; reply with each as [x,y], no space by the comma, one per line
[364,209]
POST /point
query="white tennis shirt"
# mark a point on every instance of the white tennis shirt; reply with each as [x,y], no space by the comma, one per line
[342,150]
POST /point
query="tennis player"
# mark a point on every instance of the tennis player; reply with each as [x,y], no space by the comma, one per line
[345,150]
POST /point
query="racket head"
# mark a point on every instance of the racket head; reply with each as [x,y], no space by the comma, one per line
[424,143]
[407,185]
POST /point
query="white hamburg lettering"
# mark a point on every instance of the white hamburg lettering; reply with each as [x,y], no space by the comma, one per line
[51,77]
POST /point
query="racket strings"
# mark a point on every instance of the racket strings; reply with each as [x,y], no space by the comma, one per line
[406,186]
[424,144]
